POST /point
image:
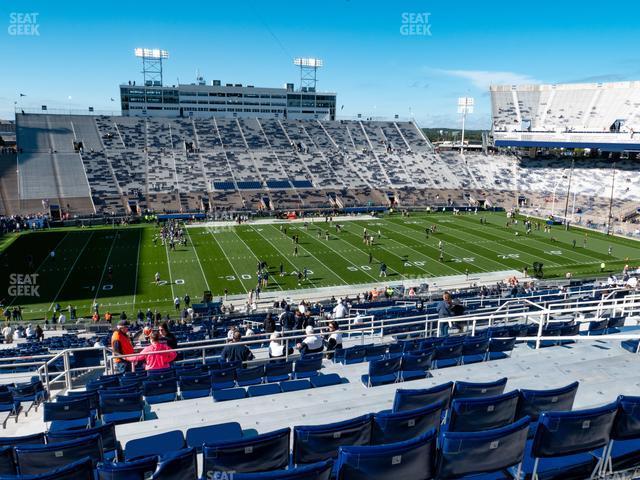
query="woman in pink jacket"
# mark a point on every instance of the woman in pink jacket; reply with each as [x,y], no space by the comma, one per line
[159,360]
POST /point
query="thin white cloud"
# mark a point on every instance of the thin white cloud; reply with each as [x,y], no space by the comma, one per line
[483,79]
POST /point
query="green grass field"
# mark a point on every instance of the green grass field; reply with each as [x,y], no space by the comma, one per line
[219,258]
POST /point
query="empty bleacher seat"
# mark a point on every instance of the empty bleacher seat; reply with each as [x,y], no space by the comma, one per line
[623,451]
[32,439]
[296,385]
[110,445]
[160,391]
[177,465]
[154,444]
[196,386]
[500,348]
[313,471]
[465,454]
[140,468]
[389,427]
[249,376]
[479,389]
[278,371]
[82,469]
[385,370]
[37,459]
[534,402]
[321,442]
[121,407]
[197,436]
[261,390]
[405,400]
[482,413]
[9,407]
[307,367]
[412,460]
[415,366]
[66,415]
[325,380]
[269,451]
[7,462]
[229,394]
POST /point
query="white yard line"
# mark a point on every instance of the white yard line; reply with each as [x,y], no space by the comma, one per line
[193,245]
[251,251]
[238,277]
[106,263]
[280,252]
[135,284]
[166,249]
[70,270]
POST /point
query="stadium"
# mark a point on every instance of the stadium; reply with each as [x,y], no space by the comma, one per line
[231,281]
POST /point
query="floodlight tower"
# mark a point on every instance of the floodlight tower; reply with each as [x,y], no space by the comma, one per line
[308,72]
[465,105]
[152,64]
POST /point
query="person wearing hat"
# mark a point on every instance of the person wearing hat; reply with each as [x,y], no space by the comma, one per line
[121,345]
[312,342]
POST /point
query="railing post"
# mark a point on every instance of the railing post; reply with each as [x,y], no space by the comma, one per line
[46,378]
[539,334]
[67,370]
[105,359]
[286,349]
[204,355]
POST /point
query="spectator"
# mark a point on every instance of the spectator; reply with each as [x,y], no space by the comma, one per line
[168,337]
[312,342]
[7,333]
[39,333]
[62,319]
[276,348]
[108,317]
[30,332]
[445,310]
[334,342]
[155,361]
[121,345]
[340,311]
[269,324]
[234,352]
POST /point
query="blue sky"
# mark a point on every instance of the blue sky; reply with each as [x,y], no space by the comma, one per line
[85,49]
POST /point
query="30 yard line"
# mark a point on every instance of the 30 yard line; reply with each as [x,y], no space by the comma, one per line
[238,277]
[198,258]
[70,270]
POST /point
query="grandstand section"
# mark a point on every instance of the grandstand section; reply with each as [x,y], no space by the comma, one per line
[603,116]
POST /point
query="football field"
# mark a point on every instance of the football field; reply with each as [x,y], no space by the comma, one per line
[225,258]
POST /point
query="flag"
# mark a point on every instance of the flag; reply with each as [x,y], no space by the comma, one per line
[22,95]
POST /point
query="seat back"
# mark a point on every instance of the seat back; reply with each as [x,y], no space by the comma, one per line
[195,382]
[313,471]
[79,470]
[412,459]
[412,361]
[391,427]
[413,399]
[159,387]
[92,396]
[468,453]
[308,364]
[483,413]
[278,368]
[121,402]
[596,326]
[178,465]
[107,433]
[36,459]
[249,373]
[33,439]
[533,402]
[197,436]
[223,375]
[385,366]
[447,351]
[475,346]
[69,410]
[269,451]
[355,353]
[502,344]
[482,389]
[136,469]
[7,462]
[321,442]
[155,444]
[567,433]
[161,374]
[627,423]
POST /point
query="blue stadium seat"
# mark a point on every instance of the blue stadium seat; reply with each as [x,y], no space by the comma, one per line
[313,471]
[9,407]
[179,465]
[161,374]
[68,415]
[160,391]
[413,459]
[121,408]
[321,442]
[447,355]
[534,402]
[223,378]
[482,413]
[412,399]
[32,393]
[307,367]
[386,370]
[500,348]
[110,445]
[33,439]
[389,427]
[92,396]
[278,371]
[598,327]
[565,443]
[375,352]
[222,432]
[154,445]
[415,366]
[353,354]
[325,380]
[465,454]
[79,470]
[615,324]
[269,451]
[194,386]
[37,459]
[249,376]
[479,389]
[7,462]
[475,349]
[261,390]
[623,451]
[296,385]
[229,394]
[141,468]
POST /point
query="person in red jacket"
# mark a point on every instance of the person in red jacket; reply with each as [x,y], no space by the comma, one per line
[159,360]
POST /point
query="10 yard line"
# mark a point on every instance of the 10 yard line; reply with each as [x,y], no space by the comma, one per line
[198,258]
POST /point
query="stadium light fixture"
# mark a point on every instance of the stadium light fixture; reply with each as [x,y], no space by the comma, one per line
[308,62]
[465,106]
[308,72]
[151,53]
